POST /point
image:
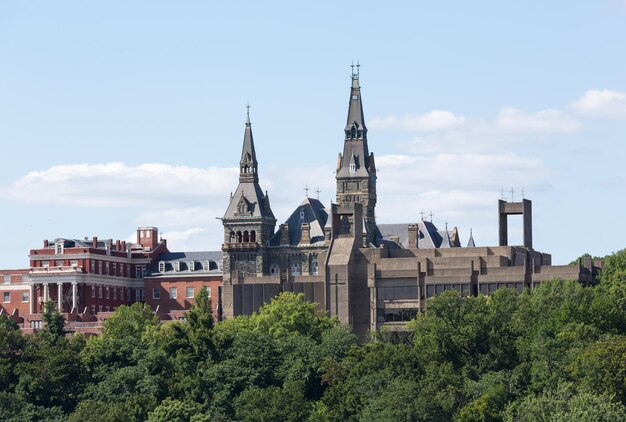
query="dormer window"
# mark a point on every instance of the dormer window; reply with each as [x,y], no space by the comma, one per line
[353,164]
[191,265]
[177,266]
[161,267]
[59,248]
[206,266]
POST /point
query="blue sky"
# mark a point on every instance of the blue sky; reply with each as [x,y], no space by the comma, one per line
[120,114]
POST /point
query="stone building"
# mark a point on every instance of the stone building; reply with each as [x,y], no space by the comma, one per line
[367,275]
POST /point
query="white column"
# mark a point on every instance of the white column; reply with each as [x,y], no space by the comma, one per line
[60,297]
[46,293]
[74,295]
[32,299]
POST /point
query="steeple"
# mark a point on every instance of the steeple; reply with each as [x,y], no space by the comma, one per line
[356,172]
[355,124]
[248,165]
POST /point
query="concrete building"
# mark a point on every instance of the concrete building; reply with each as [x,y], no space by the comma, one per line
[367,275]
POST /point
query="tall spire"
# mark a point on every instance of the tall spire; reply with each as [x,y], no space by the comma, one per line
[355,124]
[248,165]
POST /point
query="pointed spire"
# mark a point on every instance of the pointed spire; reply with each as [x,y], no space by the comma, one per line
[248,165]
[355,124]
[470,242]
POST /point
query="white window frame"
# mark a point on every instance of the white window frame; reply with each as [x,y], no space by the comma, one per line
[206,265]
[93,290]
[27,295]
[156,293]
[107,292]
[177,266]
[6,295]
[161,266]
[173,290]
[6,279]
[193,292]
[58,248]
[191,265]
[208,291]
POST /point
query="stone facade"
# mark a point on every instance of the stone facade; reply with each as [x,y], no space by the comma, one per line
[339,258]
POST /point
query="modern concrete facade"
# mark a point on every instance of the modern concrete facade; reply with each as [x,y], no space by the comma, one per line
[367,275]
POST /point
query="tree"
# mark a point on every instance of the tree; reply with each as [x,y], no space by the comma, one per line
[565,405]
[289,313]
[273,403]
[54,321]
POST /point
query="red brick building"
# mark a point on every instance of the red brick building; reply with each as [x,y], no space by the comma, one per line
[88,279]
[175,278]
[83,277]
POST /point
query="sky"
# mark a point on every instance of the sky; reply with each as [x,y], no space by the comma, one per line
[115,115]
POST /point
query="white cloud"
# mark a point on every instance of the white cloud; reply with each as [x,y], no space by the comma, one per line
[433,121]
[183,202]
[603,103]
[119,185]
[511,120]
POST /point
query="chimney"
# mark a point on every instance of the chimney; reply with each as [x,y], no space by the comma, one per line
[305,228]
[45,243]
[123,246]
[284,234]
[413,232]
[117,245]
[95,241]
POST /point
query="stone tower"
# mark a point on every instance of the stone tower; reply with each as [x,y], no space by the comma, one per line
[248,222]
[356,171]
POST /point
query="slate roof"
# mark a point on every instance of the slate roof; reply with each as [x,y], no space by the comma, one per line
[310,211]
[429,236]
[184,258]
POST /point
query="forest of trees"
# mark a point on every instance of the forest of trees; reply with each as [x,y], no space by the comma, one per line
[556,353]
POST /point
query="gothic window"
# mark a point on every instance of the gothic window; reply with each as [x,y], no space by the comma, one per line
[274,269]
[253,236]
[246,237]
[313,268]
[239,237]
[295,268]
[246,169]
[231,237]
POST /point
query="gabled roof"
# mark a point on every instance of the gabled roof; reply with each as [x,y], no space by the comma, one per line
[470,242]
[310,211]
[429,236]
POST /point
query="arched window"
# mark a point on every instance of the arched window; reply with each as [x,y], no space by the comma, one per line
[313,267]
[295,268]
[246,169]
[246,237]
[231,237]
[239,237]
[274,269]
[253,236]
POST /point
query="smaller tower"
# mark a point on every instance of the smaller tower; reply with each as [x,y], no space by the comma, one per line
[248,222]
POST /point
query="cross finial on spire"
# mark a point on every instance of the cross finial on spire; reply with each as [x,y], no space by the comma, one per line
[306,190]
[446,225]
[248,113]
[431,216]
[317,191]
[355,75]
[512,194]
[422,213]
